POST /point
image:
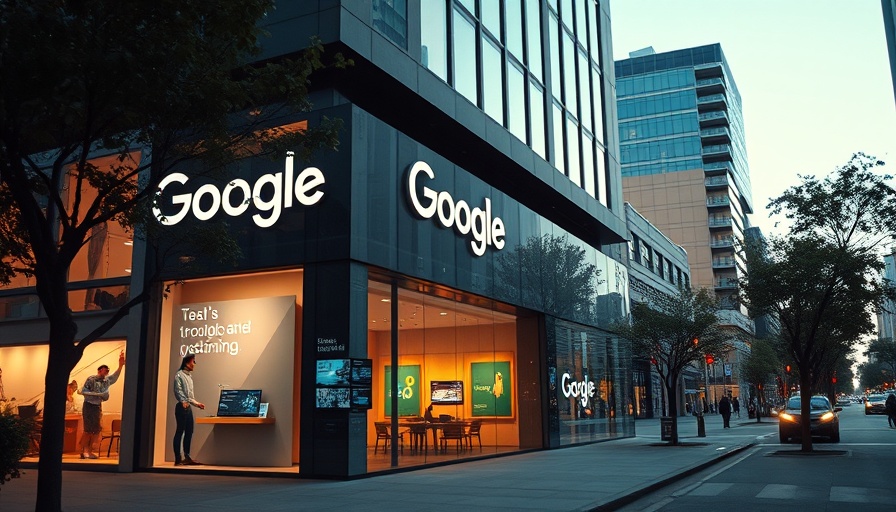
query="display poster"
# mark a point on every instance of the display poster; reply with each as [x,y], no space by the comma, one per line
[492,392]
[408,390]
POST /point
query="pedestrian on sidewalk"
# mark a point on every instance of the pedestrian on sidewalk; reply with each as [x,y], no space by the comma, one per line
[890,408]
[735,404]
[725,411]
[183,411]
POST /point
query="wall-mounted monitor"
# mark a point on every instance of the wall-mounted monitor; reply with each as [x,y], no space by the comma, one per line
[333,398]
[446,392]
[333,372]
[361,398]
[362,372]
[239,402]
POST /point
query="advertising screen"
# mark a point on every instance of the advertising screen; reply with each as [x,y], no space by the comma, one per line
[333,372]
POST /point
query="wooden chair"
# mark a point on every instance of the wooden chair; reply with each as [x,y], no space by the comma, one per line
[112,434]
[382,432]
[453,431]
[475,427]
[418,433]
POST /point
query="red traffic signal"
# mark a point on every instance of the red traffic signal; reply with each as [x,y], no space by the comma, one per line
[709,359]
[787,368]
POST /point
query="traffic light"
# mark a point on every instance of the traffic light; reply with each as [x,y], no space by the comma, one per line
[787,369]
[709,359]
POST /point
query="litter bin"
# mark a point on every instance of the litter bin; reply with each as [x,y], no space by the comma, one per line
[667,428]
[701,426]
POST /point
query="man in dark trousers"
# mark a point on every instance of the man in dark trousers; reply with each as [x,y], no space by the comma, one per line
[725,411]
[735,405]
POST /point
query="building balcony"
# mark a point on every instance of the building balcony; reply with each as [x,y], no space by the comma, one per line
[712,102]
[717,152]
[711,85]
[716,181]
[716,118]
[718,201]
[733,317]
[718,168]
[720,222]
[722,243]
[717,135]
[724,262]
[726,283]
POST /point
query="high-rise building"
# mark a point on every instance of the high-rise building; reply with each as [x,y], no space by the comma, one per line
[886,317]
[684,161]
[889,10]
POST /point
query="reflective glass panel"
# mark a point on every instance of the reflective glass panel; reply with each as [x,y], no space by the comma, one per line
[464,56]
[434,38]
[492,86]
[516,100]
[536,116]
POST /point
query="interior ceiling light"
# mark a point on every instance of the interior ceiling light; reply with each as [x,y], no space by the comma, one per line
[385,300]
[443,313]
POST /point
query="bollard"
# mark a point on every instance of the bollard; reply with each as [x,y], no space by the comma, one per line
[701,426]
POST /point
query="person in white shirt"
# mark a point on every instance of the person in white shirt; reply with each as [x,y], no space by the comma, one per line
[183,411]
[95,392]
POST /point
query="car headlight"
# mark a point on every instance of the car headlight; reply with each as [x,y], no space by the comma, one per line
[828,416]
[786,417]
[867,404]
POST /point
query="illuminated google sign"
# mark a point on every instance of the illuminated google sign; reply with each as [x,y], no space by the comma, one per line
[238,195]
[477,223]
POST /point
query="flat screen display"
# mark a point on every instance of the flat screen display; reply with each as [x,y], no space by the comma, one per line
[333,398]
[362,371]
[361,398]
[446,392]
[333,372]
[239,402]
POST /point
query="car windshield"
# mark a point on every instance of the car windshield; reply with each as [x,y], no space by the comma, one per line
[816,403]
[876,398]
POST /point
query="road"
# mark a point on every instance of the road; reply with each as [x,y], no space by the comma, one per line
[855,475]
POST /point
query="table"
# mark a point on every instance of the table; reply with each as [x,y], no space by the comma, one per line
[233,420]
[74,428]
[434,427]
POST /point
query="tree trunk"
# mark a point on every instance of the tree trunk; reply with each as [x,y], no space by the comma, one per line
[669,384]
[805,409]
[62,359]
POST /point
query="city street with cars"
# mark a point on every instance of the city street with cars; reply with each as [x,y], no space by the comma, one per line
[855,474]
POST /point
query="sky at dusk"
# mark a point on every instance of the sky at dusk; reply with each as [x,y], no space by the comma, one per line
[813,75]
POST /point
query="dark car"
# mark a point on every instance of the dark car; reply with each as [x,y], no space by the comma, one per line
[823,419]
[876,404]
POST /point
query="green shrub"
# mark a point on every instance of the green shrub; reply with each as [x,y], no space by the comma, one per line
[14,441]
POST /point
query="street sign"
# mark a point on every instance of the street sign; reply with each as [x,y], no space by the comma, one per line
[728,370]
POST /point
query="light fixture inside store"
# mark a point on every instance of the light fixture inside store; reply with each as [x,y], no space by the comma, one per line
[127,270]
[129,242]
[443,313]
[385,300]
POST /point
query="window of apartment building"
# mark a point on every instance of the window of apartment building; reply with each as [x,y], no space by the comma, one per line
[646,254]
[669,273]
[660,265]
[678,278]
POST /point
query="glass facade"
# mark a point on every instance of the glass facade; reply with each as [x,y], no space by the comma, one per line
[516,52]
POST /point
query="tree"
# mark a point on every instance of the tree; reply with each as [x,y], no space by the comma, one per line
[873,375]
[819,280]
[883,351]
[761,364]
[15,439]
[173,79]
[673,332]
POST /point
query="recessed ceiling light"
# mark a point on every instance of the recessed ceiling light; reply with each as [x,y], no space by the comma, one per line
[443,313]
[385,300]
[127,270]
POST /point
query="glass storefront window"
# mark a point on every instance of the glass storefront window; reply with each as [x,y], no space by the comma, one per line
[22,371]
[245,332]
[457,370]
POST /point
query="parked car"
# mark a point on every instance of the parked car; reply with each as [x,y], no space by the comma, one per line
[824,419]
[876,404]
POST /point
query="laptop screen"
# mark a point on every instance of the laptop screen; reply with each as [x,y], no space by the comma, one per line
[239,402]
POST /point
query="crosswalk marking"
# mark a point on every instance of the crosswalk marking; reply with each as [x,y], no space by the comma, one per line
[837,494]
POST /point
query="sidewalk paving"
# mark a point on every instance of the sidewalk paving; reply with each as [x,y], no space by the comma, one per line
[600,476]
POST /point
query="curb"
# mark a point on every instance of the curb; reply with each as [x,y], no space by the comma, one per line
[639,493]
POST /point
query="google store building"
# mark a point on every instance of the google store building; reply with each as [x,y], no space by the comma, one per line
[462,249]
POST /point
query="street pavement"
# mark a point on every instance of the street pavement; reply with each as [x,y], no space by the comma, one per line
[598,476]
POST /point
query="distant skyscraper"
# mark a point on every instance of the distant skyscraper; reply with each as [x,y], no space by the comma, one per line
[684,160]
[886,319]
[889,8]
